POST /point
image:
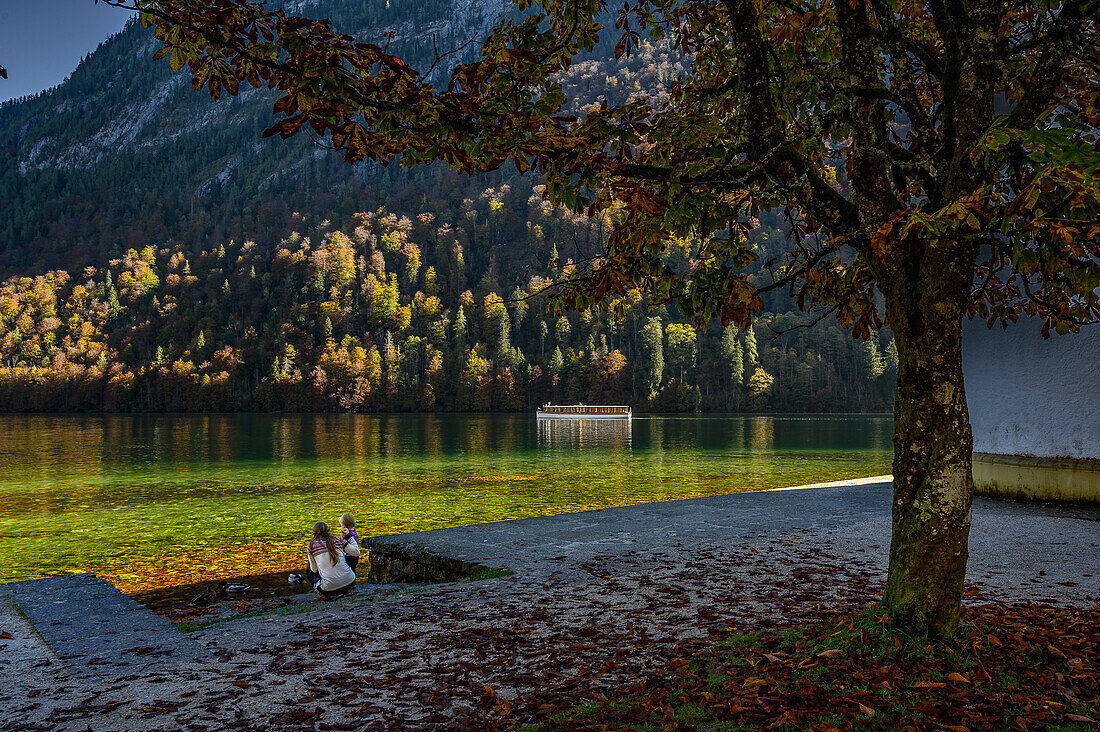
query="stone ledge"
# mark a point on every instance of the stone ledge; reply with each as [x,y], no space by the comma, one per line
[1036,478]
[392,560]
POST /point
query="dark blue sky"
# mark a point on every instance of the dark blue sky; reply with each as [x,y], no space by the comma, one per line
[42,41]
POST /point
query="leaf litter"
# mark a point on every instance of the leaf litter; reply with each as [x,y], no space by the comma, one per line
[782,625]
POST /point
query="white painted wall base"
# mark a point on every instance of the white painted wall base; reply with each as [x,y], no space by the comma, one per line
[1043,479]
[1034,410]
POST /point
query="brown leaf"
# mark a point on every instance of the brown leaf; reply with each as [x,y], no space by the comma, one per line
[1080,718]
[831,653]
[866,709]
[5,635]
[958,678]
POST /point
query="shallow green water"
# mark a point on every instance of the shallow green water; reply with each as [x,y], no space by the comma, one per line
[155,501]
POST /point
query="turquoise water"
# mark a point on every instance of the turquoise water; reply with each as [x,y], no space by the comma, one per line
[158,501]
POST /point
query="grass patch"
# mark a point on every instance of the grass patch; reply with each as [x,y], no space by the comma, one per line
[488,573]
[187,626]
[190,626]
[1023,666]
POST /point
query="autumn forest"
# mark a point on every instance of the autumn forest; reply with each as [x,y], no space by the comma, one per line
[388,311]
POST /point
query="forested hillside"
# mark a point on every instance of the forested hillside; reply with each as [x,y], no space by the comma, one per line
[159,255]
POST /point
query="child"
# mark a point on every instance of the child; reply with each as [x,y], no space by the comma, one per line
[347,528]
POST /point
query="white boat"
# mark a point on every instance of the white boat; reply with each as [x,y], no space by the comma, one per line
[582,411]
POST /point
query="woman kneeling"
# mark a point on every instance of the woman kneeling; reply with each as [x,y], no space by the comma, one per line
[328,570]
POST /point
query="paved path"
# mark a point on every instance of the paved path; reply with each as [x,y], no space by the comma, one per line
[94,630]
[1011,542]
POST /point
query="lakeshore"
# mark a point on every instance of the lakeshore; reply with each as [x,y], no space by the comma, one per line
[594,599]
[151,502]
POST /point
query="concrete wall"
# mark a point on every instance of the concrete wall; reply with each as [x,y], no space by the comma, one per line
[1045,479]
[1037,399]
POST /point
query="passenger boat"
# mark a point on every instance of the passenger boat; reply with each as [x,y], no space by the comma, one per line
[582,411]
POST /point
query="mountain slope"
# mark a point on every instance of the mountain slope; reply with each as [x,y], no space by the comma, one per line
[125,152]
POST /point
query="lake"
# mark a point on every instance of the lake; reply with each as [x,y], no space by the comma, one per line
[156,501]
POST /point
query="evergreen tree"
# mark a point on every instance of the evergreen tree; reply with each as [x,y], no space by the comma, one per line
[682,346]
[873,363]
[290,358]
[460,330]
[543,331]
[556,361]
[431,285]
[561,331]
[752,358]
[892,357]
[113,308]
[500,328]
[437,333]
[652,356]
[519,308]
[729,351]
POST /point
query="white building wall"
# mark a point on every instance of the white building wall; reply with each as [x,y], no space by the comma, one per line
[1030,396]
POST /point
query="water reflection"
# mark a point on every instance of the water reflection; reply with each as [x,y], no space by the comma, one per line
[761,433]
[575,434]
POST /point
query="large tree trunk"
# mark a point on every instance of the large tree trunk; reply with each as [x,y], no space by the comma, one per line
[932,465]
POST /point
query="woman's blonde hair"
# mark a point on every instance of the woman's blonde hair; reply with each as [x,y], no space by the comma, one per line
[347,520]
[321,533]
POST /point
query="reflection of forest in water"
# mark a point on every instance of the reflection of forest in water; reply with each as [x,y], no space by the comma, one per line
[50,447]
[750,433]
[585,433]
[136,498]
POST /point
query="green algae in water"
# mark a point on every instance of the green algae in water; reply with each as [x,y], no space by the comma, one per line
[154,501]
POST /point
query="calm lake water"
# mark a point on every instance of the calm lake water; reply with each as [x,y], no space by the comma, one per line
[150,502]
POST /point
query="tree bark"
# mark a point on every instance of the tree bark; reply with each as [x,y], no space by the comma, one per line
[933,446]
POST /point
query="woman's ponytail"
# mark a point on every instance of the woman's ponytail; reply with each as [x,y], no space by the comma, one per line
[320,531]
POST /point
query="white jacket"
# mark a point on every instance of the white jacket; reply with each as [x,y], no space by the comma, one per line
[334,575]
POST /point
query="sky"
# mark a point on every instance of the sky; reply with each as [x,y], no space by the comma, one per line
[42,41]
